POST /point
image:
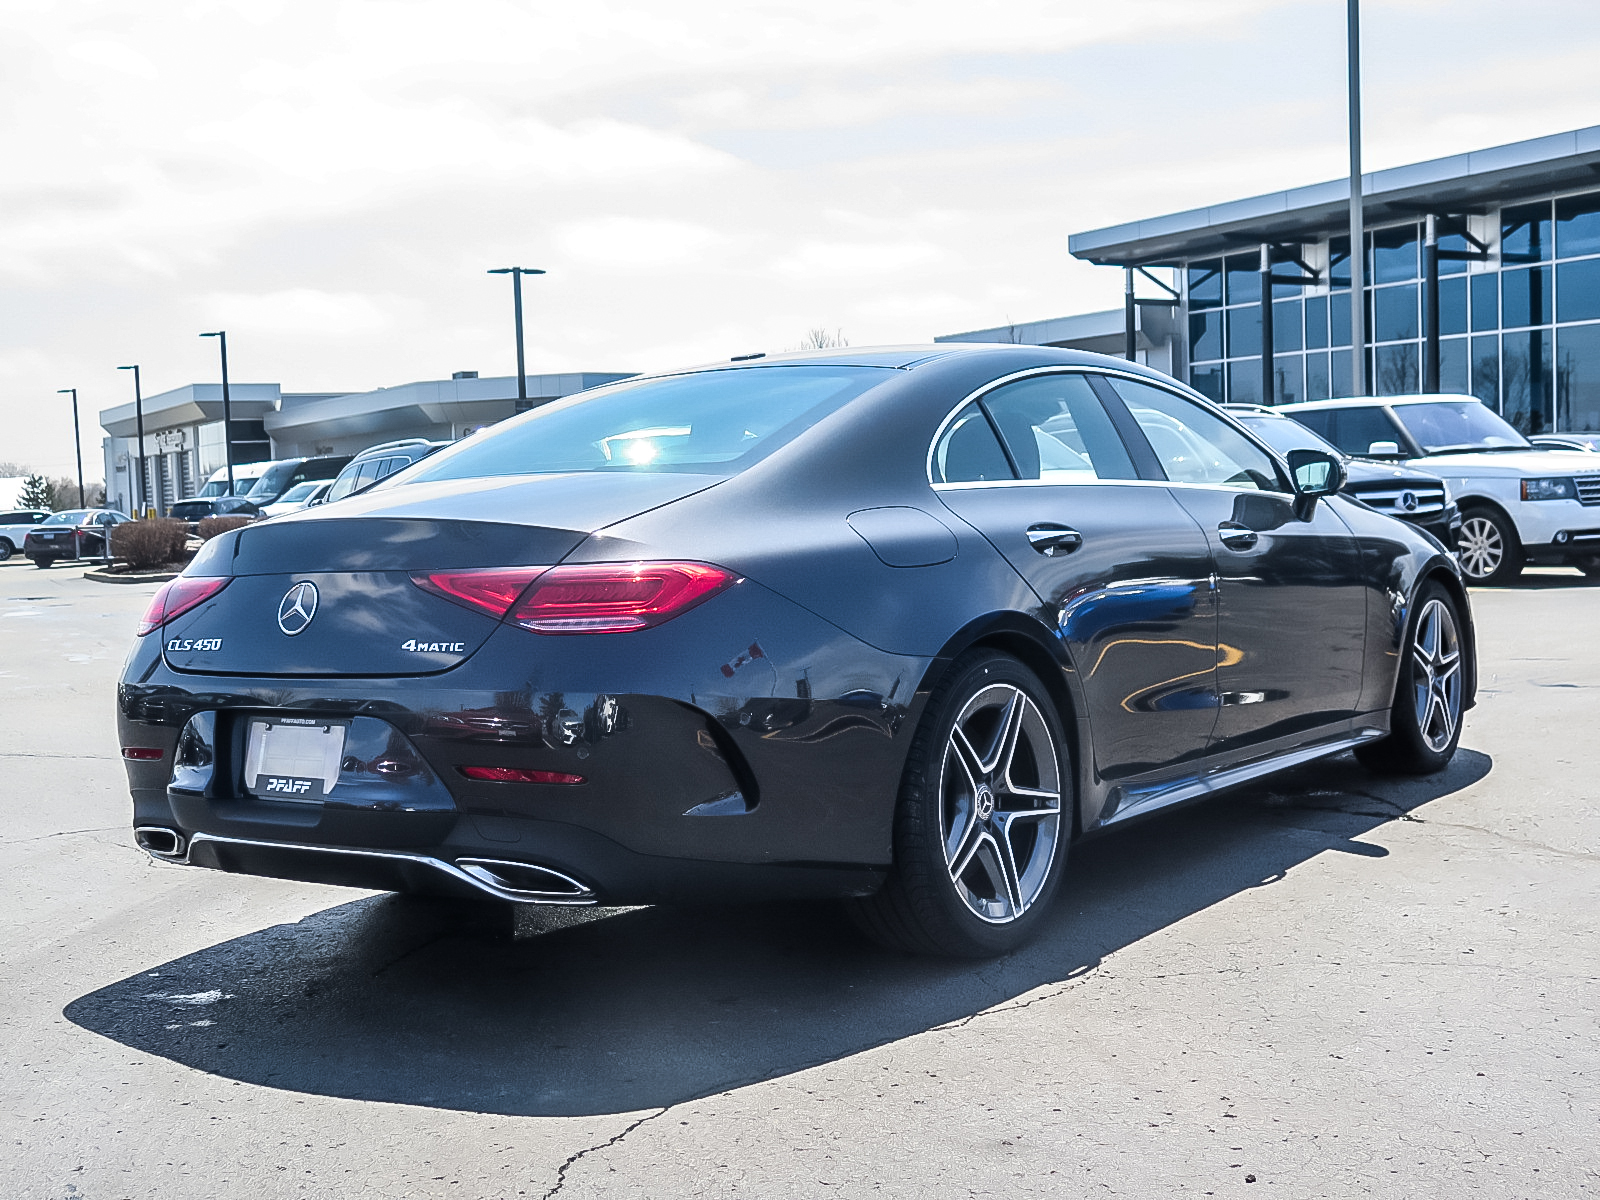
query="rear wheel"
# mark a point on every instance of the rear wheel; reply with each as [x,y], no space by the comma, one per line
[1488,547]
[6,549]
[1425,720]
[981,829]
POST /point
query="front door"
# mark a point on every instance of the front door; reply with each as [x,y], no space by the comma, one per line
[1292,601]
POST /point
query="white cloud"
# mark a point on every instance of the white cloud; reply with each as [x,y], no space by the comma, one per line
[304,312]
[830,260]
[634,243]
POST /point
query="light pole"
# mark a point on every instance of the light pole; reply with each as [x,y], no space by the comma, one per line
[227,408]
[516,274]
[77,442]
[1358,239]
[138,414]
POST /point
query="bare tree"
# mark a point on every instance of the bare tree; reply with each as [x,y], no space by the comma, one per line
[821,339]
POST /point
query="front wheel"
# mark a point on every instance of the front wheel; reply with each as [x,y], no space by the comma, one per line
[1488,548]
[981,830]
[1425,720]
[6,549]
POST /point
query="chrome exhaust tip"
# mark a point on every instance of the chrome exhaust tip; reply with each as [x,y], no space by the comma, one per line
[161,843]
[525,881]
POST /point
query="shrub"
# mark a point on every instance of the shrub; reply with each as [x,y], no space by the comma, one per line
[150,543]
[211,526]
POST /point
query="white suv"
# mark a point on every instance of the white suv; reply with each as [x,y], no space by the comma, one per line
[1519,503]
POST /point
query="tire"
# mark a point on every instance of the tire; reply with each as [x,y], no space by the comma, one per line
[1425,720]
[982,820]
[1488,549]
[6,549]
[43,561]
[1589,566]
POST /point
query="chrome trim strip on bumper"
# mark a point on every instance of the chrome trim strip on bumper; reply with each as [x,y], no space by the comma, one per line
[1136,803]
[482,883]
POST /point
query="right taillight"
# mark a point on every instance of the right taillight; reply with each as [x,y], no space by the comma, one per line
[176,597]
[616,597]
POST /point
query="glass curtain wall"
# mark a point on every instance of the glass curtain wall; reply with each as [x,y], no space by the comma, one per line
[1523,337]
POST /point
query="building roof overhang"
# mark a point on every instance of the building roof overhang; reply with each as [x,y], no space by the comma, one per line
[192,404]
[1456,184]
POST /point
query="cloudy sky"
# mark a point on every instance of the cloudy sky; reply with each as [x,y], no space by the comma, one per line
[329,179]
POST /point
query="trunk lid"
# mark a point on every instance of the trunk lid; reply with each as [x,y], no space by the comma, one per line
[362,614]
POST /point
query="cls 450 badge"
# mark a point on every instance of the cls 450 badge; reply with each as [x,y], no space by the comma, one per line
[180,645]
[416,647]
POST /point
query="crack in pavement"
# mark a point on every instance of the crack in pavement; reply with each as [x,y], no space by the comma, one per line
[36,754]
[45,837]
[561,1171]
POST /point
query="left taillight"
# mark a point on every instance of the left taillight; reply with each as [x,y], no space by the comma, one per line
[176,597]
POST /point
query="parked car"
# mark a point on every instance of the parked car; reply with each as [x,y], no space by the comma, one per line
[1519,504]
[379,462]
[244,478]
[72,533]
[197,510]
[1588,442]
[301,495]
[1411,495]
[888,625]
[285,473]
[14,527]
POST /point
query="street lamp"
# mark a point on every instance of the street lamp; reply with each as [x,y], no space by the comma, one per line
[77,442]
[1358,239]
[516,274]
[138,413]
[227,409]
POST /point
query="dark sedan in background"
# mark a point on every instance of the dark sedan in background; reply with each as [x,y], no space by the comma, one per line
[199,508]
[895,626]
[71,534]
[1405,492]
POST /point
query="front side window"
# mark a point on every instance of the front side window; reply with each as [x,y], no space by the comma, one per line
[1196,446]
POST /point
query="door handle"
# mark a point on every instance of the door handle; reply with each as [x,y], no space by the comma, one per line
[1235,536]
[1053,540]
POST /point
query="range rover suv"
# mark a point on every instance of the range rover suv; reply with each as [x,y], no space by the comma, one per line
[1519,504]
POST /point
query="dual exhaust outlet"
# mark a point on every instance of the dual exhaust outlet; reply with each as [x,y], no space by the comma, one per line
[522,883]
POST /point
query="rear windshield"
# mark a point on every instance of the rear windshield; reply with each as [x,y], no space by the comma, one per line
[714,422]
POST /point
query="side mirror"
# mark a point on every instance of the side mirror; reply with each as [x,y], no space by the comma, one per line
[1384,450]
[1316,473]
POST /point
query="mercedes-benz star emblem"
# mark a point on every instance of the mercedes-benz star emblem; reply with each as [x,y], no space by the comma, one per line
[298,606]
[985,803]
[1408,501]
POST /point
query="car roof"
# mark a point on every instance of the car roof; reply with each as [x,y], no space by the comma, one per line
[1378,401]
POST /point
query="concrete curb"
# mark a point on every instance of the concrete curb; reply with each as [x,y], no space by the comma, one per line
[126,577]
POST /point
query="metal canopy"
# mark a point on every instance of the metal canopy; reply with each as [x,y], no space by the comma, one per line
[1458,183]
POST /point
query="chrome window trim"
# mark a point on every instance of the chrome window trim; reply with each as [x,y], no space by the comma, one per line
[1179,389]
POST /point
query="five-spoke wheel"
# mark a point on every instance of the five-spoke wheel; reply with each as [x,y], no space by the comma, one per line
[1425,720]
[983,819]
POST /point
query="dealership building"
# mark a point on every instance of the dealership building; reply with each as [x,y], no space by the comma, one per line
[1507,240]
[183,428]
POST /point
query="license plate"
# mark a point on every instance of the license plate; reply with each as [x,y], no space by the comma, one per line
[292,758]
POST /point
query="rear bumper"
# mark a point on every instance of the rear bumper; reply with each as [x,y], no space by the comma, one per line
[707,773]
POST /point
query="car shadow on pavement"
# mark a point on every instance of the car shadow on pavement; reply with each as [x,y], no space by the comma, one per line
[608,1011]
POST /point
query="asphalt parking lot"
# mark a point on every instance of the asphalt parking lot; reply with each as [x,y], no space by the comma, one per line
[1330,986]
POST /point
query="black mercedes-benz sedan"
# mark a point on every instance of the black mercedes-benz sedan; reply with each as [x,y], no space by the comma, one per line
[895,626]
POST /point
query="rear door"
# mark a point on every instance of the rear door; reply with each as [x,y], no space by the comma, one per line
[1122,571]
[1292,615]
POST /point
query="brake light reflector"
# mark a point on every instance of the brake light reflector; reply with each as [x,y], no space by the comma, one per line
[493,590]
[142,753]
[616,597]
[176,597]
[518,775]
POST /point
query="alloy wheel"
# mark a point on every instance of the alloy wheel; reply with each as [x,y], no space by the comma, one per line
[1000,803]
[1480,548]
[1436,675]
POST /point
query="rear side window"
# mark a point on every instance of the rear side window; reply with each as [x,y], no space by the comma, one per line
[713,422]
[968,451]
[1058,431]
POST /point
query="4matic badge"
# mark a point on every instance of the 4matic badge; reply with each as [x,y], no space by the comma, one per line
[413,646]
